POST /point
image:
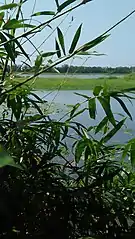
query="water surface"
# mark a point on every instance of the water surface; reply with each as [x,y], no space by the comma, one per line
[74,75]
[67,98]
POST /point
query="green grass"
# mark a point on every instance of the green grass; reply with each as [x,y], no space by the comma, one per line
[83,84]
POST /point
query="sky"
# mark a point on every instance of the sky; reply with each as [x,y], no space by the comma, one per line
[96,16]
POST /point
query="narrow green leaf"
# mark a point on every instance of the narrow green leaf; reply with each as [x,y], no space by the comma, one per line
[106,128]
[84,96]
[37,97]
[57,3]
[97,90]
[1,17]
[2,54]
[9,6]
[38,62]
[57,49]
[90,53]
[18,107]
[61,39]
[36,106]
[2,14]
[65,4]
[80,147]
[43,13]
[91,44]
[92,108]
[113,131]
[47,54]
[126,150]
[75,107]
[105,102]
[78,113]
[101,124]
[132,153]
[22,49]
[8,47]
[75,39]
[124,107]
[83,53]
[6,159]
[14,24]
[18,44]
[65,132]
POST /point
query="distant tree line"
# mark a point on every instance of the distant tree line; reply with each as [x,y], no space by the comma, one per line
[81,69]
[96,69]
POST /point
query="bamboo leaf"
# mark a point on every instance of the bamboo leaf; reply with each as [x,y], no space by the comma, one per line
[65,4]
[78,113]
[126,150]
[37,97]
[14,24]
[1,17]
[65,132]
[57,3]
[18,44]
[92,108]
[47,54]
[113,131]
[82,95]
[61,39]
[57,49]
[132,153]
[101,125]
[49,13]
[6,159]
[80,147]
[75,39]
[9,6]
[105,102]
[38,62]
[36,106]
[91,44]
[75,107]
[8,47]
[124,107]
[97,90]
[18,107]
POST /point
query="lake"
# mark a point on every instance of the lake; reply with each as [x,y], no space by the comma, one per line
[64,99]
[74,75]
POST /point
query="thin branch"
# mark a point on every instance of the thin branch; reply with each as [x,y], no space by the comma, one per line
[119,22]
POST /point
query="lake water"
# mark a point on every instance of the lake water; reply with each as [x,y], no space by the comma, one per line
[64,98]
[74,75]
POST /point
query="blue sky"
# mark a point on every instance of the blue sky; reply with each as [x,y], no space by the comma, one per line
[96,17]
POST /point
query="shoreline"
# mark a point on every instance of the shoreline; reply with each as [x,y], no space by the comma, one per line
[70,83]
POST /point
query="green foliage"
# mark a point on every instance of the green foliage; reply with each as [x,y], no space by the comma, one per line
[61,40]
[58,49]
[82,191]
[8,6]
[92,108]
[64,5]
[43,13]
[75,39]
[6,160]
[87,46]
[14,24]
